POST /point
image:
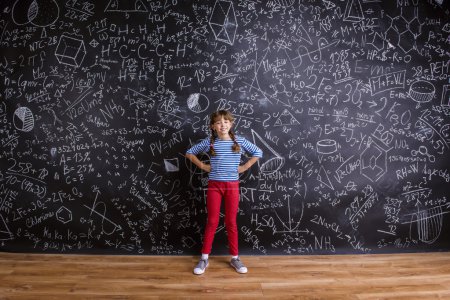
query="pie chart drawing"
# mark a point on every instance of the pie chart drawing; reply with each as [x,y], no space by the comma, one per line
[198,102]
[40,13]
[23,119]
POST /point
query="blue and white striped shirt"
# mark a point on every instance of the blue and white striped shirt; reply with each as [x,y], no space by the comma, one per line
[224,165]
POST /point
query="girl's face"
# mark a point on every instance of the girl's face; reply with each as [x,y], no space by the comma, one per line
[222,126]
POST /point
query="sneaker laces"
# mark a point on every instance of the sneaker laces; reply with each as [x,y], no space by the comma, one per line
[202,264]
[237,263]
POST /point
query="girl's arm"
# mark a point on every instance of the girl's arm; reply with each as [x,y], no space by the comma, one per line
[198,162]
[254,151]
[248,164]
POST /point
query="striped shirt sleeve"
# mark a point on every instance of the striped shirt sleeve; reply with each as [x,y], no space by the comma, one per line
[202,147]
[252,149]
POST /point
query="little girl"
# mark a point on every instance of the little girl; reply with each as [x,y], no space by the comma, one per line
[225,151]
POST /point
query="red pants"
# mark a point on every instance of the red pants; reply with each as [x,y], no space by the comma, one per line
[229,190]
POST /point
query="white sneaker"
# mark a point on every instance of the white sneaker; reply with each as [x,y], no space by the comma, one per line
[238,265]
[201,267]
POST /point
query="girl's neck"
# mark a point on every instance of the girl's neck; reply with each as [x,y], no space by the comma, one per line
[224,137]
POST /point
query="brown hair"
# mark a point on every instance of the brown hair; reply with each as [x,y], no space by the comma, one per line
[215,116]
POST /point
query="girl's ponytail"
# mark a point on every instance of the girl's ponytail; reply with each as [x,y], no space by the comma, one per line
[235,147]
[212,139]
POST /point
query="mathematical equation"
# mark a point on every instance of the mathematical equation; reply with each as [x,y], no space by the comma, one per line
[349,102]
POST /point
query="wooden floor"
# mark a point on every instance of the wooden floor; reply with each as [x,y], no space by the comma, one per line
[393,276]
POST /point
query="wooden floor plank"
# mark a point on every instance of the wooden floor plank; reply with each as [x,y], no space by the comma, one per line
[387,276]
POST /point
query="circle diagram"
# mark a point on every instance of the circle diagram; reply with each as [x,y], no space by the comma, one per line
[198,102]
[40,13]
[23,119]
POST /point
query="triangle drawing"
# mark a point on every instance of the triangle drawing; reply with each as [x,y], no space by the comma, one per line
[304,34]
[139,99]
[353,11]
[328,4]
[275,161]
[323,178]
[5,234]
[285,119]
[171,165]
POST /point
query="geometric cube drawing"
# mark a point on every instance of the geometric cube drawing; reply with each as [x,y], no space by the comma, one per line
[223,21]
[64,215]
[188,242]
[373,162]
[70,51]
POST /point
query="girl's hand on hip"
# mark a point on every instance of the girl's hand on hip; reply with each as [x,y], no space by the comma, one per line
[206,168]
[241,169]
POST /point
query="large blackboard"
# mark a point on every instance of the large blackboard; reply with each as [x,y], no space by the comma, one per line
[349,100]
